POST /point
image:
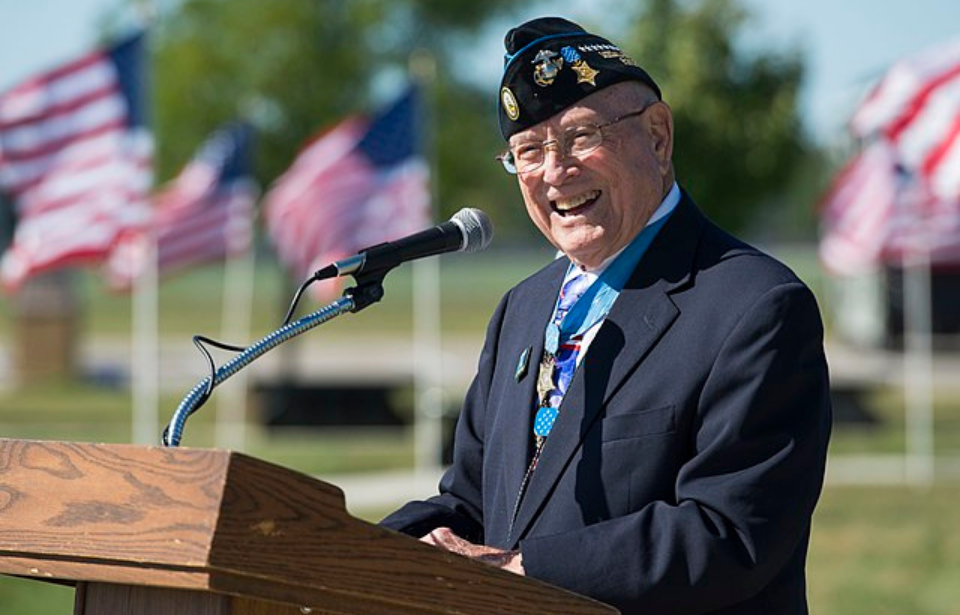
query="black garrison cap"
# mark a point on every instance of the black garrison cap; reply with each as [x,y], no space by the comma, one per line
[550,64]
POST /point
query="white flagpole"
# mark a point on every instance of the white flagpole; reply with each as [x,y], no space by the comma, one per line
[145,319]
[146,347]
[238,287]
[428,355]
[428,366]
[918,366]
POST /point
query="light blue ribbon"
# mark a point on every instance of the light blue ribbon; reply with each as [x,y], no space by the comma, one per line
[595,303]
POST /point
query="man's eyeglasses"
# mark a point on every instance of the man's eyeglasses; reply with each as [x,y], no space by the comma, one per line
[575,141]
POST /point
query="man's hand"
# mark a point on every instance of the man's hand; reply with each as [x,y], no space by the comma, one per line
[444,538]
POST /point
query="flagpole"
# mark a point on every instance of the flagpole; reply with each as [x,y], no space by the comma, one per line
[428,366]
[146,347]
[918,366]
[428,353]
[145,317]
[238,287]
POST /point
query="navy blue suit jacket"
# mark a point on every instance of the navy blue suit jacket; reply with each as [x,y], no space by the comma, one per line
[683,470]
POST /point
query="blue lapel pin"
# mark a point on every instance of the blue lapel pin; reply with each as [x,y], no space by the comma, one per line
[523,363]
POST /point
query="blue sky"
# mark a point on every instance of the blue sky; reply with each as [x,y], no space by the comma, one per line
[847,43]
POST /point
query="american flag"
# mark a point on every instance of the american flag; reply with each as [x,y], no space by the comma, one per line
[857,213]
[901,193]
[877,211]
[204,214]
[916,108]
[75,158]
[361,183]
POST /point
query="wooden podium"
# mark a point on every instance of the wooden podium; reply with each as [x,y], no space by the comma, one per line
[149,531]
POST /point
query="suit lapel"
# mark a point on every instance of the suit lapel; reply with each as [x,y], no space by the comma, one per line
[636,322]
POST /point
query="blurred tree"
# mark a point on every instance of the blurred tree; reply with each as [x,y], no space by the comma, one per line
[293,67]
[287,65]
[738,134]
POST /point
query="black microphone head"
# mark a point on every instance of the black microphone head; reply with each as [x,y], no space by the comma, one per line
[476,228]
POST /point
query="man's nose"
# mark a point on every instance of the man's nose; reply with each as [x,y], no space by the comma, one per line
[555,160]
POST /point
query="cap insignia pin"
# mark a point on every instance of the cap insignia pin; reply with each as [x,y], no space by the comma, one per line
[546,67]
[509,102]
[585,74]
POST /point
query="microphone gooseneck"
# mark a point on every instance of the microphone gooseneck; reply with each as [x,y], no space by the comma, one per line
[469,230]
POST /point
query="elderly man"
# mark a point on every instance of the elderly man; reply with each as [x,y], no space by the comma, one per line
[650,417]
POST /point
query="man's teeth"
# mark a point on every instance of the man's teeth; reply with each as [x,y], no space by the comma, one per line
[577,201]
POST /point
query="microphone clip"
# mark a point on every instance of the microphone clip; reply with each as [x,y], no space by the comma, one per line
[369,289]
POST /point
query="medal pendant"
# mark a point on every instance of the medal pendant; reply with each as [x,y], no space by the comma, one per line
[545,378]
[543,423]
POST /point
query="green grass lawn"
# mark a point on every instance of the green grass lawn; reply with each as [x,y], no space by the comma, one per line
[886,551]
[192,302]
[888,434]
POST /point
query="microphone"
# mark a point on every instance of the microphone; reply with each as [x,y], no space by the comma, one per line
[469,230]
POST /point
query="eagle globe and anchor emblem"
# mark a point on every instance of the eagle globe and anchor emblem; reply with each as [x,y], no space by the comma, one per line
[546,67]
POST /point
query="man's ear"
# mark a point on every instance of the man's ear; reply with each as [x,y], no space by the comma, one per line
[660,128]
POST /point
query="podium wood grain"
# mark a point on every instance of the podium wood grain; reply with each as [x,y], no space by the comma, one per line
[152,524]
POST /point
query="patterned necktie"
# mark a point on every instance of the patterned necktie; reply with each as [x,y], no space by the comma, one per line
[564,363]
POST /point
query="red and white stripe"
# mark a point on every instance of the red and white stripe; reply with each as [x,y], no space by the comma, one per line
[878,213]
[76,171]
[916,107]
[923,223]
[197,218]
[332,202]
[905,82]
[221,230]
[294,197]
[857,211]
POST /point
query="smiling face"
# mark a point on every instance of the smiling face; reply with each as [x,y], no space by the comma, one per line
[590,207]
